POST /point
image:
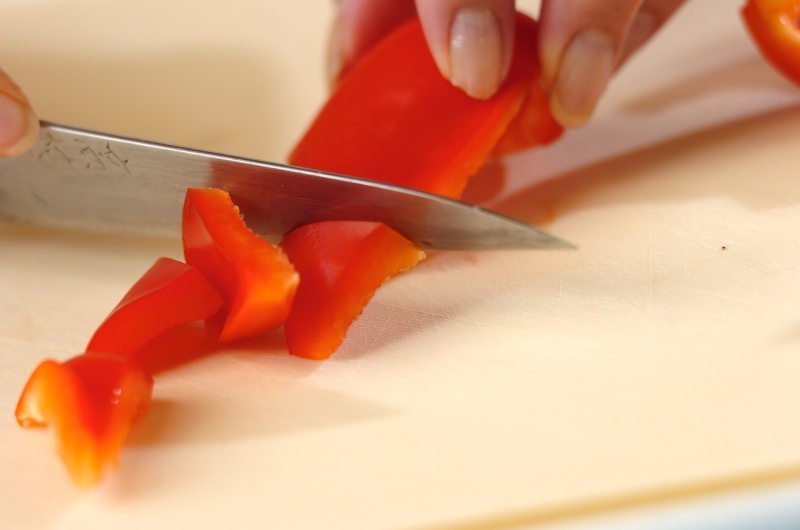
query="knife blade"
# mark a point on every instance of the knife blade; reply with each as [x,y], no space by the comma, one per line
[80,179]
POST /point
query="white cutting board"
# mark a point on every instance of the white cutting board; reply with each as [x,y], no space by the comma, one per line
[481,390]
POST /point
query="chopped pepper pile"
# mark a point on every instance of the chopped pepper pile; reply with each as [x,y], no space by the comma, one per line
[169,316]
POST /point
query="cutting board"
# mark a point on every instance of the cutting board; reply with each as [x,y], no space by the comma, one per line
[658,361]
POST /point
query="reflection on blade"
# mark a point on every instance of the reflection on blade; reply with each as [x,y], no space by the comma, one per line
[86,180]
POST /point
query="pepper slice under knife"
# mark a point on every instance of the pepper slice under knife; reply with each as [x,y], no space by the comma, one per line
[254,277]
[395,119]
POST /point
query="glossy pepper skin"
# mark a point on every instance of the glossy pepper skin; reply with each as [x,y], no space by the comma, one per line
[168,294]
[533,125]
[775,27]
[90,403]
[395,119]
[366,254]
[254,278]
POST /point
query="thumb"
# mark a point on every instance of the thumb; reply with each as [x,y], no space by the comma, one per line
[19,125]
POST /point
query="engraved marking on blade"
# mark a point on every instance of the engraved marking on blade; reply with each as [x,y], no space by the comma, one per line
[91,158]
[114,159]
[53,152]
[79,153]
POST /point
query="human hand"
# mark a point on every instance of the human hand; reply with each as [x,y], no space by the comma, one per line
[19,126]
[581,42]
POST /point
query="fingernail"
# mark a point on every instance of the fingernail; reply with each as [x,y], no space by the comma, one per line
[15,127]
[585,69]
[476,54]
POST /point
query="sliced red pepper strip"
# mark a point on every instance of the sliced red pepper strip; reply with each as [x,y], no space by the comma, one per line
[183,343]
[90,403]
[168,294]
[254,278]
[394,118]
[367,254]
[775,27]
[534,125]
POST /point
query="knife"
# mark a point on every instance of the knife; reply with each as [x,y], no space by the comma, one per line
[80,179]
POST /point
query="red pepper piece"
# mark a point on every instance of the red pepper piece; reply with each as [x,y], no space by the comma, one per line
[168,294]
[254,278]
[533,125]
[90,403]
[367,254]
[394,118]
[185,342]
[775,27]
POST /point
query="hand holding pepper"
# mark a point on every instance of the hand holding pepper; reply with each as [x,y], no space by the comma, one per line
[19,126]
[581,42]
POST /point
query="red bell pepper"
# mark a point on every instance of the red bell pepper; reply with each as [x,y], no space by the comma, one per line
[89,402]
[168,294]
[366,254]
[393,118]
[533,125]
[254,278]
[775,27]
[185,342]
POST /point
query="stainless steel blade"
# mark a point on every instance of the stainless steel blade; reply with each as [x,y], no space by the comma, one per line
[87,180]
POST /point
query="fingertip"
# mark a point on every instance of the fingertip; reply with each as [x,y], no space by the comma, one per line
[566,117]
[476,53]
[19,126]
[582,42]
[585,69]
[471,41]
